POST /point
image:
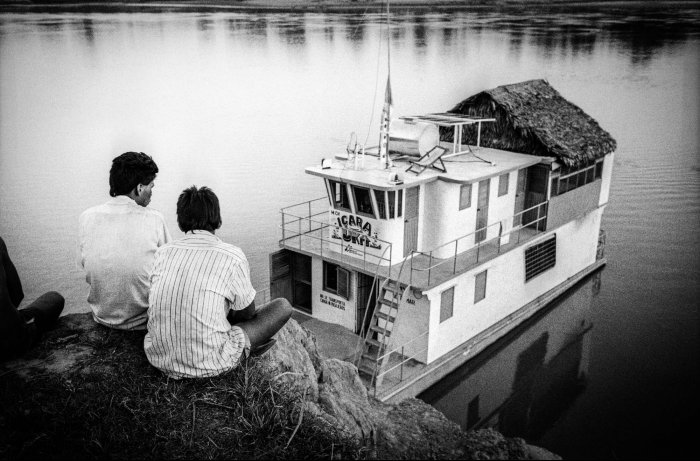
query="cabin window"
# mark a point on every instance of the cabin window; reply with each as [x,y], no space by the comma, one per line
[363,201]
[380,195]
[480,286]
[540,257]
[447,298]
[339,195]
[336,280]
[571,178]
[599,169]
[590,175]
[503,184]
[465,196]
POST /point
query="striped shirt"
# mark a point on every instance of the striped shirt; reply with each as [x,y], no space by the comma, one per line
[117,245]
[195,282]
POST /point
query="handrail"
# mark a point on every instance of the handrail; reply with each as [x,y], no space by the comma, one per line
[478,245]
[377,366]
[363,332]
[415,338]
[314,226]
[405,360]
[308,202]
[335,226]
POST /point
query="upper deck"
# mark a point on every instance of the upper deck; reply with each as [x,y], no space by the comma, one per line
[365,192]
[469,166]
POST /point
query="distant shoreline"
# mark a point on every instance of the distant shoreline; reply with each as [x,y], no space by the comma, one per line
[325,6]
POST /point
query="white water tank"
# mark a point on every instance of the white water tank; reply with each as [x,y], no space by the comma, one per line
[412,138]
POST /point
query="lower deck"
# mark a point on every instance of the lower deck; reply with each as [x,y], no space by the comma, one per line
[403,379]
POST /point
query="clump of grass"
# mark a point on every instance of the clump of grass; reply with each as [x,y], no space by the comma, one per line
[116,405]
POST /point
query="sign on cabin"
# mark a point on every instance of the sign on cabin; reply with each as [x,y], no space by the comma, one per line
[333,302]
[358,233]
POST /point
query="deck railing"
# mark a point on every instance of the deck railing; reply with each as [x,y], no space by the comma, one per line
[533,218]
[402,360]
[305,226]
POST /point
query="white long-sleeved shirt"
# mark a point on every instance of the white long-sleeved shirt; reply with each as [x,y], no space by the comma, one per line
[117,245]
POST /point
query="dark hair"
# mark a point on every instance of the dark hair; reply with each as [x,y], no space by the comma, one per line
[198,209]
[130,169]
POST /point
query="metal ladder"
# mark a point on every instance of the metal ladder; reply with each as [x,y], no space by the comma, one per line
[391,295]
[380,329]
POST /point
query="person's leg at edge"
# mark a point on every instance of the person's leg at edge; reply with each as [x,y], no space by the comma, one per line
[269,319]
[45,311]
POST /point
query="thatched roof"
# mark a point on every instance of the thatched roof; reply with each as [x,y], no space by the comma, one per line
[533,118]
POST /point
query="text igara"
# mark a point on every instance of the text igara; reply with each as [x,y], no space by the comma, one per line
[354,230]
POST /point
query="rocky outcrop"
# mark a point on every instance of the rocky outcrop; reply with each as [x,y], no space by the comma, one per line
[411,429]
[331,388]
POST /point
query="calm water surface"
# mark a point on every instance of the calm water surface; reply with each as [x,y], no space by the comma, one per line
[243,102]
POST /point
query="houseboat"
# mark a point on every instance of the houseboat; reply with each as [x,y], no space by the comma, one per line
[462,225]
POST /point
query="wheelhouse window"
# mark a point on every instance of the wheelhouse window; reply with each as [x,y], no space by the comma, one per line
[363,201]
[336,280]
[380,196]
[465,196]
[392,204]
[399,206]
[339,195]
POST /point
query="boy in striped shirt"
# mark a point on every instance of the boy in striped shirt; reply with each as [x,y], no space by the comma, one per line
[201,317]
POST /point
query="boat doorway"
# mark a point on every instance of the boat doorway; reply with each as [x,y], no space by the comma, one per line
[520,197]
[290,278]
[535,193]
[366,298]
[482,210]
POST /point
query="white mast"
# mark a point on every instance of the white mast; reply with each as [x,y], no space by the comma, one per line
[386,111]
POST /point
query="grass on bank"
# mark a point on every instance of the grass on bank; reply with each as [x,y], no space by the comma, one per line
[116,405]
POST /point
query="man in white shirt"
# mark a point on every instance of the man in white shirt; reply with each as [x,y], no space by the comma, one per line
[201,318]
[118,241]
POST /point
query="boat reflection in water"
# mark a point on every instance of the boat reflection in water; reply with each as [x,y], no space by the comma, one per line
[525,381]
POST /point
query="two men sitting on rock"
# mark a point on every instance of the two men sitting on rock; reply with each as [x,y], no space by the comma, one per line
[202,319]
[195,293]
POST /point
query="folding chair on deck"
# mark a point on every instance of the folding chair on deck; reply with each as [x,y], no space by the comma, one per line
[430,160]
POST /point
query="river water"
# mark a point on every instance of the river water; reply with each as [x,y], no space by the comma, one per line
[242,102]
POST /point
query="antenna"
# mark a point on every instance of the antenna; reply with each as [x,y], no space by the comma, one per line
[386,111]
